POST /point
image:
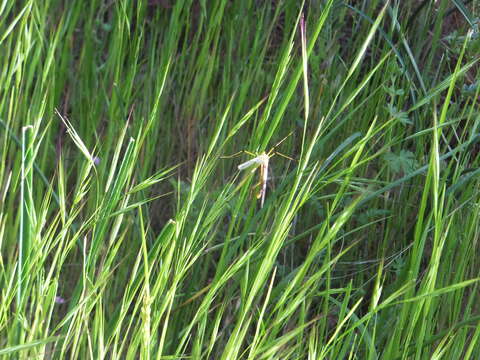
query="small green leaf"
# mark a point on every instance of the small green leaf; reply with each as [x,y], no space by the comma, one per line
[394,92]
[402,162]
[401,116]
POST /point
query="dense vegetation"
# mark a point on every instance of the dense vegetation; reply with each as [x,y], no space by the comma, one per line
[127,230]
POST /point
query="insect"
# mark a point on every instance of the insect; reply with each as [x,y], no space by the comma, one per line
[261,161]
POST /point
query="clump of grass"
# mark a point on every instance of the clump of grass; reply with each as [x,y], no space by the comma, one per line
[126,232]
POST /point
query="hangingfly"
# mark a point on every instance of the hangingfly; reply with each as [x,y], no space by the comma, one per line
[262,161]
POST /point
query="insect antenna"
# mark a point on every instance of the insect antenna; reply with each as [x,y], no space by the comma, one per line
[279,143]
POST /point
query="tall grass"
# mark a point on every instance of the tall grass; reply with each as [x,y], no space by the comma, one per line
[127,231]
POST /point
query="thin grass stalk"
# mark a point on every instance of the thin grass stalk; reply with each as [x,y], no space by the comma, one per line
[26,227]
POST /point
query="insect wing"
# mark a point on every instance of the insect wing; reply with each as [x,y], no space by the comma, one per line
[249,163]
